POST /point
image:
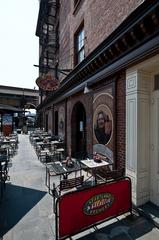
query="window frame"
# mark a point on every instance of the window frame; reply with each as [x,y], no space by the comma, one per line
[76,6]
[76,3]
[77,48]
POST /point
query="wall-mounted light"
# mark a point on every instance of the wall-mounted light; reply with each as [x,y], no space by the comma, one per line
[86,89]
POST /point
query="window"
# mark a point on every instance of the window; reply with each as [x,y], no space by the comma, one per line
[79,46]
[77,6]
[76,2]
[156,82]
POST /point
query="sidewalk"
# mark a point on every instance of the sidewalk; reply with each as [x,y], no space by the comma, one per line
[26,210]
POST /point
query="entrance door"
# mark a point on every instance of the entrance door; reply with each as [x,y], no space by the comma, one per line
[78,125]
[56,123]
[154,147]
[46,122]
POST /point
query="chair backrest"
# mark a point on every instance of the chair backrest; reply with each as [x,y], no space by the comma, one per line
[110,174]
[3,151]
[115,174]
[66,184]
[3,157]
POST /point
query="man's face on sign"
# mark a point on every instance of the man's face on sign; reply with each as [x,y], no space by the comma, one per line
[101,121]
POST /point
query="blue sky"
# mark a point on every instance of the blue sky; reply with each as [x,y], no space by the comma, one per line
[18,43]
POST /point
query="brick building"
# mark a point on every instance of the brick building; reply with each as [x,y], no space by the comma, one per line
[102,58]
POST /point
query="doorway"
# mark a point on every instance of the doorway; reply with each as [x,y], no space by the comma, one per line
[154,148]
[78,131]
[46,122]
[56,123]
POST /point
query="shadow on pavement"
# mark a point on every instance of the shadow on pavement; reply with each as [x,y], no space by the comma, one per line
[151,212]
[17,202]
[131,227]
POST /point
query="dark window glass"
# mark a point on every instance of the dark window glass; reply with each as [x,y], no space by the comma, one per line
[75,2]
[156,82]
[79,46]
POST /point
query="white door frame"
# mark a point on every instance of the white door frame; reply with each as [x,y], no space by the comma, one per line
[154,147]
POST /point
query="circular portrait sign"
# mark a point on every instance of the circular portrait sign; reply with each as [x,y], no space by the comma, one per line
[103,124]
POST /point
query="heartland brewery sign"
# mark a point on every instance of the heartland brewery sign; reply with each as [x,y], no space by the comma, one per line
[47,82]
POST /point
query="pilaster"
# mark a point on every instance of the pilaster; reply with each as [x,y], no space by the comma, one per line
[137,133]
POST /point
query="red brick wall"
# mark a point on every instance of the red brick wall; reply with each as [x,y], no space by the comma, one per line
[101,18]
[120,119]
[64,34]
[105,17]
[120,112]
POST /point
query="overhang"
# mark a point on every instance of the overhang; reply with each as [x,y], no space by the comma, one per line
[7,108]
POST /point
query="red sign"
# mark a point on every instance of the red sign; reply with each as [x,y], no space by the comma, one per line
[47,82]
[81,209]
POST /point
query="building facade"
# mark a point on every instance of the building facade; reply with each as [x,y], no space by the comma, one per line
[14,101]
[104,56]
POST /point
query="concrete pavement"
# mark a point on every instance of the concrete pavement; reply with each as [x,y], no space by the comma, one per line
[26,209]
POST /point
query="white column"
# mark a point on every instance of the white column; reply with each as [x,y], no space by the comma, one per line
[137,133]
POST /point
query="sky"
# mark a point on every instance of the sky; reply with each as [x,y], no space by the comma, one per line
[19,47]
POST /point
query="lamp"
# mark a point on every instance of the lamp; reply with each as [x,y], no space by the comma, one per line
[86,89]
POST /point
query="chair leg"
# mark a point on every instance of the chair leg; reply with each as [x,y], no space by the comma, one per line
[54,201]
[46,176]
[1,190]
[54,205]
[3,187]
